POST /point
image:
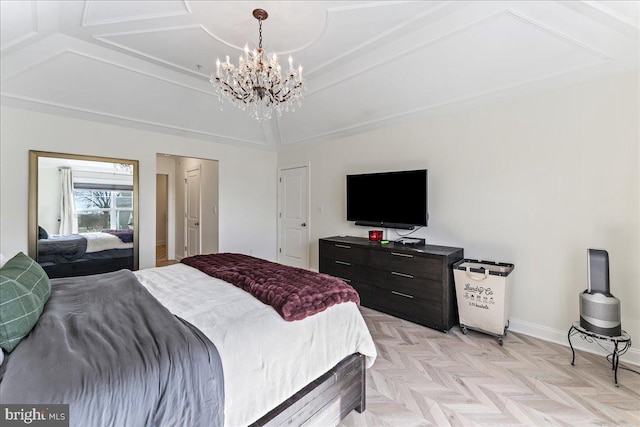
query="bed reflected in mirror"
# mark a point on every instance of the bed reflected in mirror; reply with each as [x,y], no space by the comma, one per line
[83,212]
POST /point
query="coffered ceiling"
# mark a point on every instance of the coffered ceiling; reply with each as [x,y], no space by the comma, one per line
[147,64]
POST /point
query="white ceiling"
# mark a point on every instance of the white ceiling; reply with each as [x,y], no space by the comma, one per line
[367,64]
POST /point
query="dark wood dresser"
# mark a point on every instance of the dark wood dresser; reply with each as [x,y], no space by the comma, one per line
[411,282]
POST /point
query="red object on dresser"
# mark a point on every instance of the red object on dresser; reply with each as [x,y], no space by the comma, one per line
[375,235]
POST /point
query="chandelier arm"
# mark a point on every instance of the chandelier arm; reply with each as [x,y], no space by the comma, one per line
[231,91]
[272,97]
[243,96]
[287,95]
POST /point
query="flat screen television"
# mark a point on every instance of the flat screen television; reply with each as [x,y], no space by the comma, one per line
[388,199]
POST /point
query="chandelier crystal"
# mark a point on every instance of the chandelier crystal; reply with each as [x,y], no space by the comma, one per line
[258,82]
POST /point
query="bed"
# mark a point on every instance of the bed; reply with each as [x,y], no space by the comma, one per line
[274,372]
[86,253]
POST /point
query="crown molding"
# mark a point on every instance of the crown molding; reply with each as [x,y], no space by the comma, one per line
[18,40]
[396,32]
[104,38]
[599,12]
[416,113]
[105,61]
[602,7]
[86,22]
[45,106]
[520,17]
[28,35]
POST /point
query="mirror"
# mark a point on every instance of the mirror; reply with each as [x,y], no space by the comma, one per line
[83,213]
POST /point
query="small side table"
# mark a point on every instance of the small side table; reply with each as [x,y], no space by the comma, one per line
[621,344]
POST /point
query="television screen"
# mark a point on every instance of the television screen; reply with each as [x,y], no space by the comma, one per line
[389,199]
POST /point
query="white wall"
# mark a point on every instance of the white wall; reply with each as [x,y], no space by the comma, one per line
[244,227]
[49,197]
[534,180]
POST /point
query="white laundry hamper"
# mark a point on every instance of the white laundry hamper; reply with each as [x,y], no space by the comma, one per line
[482,293]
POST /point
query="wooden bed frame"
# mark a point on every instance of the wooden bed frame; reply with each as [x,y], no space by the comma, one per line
[325,401]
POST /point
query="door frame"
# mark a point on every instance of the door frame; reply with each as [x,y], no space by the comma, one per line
[171,207]
[186,201]
[167,237]
[296,165]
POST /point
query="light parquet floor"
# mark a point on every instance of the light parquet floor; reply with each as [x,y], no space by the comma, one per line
[161,256]
[423,377]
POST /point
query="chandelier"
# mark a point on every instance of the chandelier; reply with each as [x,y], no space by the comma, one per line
[258,83]
[123,168]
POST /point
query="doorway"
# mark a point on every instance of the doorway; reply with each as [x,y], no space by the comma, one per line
[293,216]
[177,168]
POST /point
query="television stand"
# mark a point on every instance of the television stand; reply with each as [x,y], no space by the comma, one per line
[413,282]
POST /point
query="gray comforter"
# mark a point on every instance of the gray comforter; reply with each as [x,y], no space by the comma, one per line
[118,357]
[68,247]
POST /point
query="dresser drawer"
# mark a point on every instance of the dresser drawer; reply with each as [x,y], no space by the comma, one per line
[364,291]
[410,264]
[416,310]
[410,282]
[416,287]
[355,275]
[344,270]
[344,252]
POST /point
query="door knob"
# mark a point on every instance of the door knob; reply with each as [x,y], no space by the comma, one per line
[304,224]
[196,224]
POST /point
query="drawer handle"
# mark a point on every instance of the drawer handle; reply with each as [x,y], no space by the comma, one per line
[342,246]
[346,280]
[395,273]
[404,255]
[342,262]
[402,295]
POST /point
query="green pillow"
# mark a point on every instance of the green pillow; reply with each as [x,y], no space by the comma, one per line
[24,290]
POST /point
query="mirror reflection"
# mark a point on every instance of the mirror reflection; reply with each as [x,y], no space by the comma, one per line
[84,214]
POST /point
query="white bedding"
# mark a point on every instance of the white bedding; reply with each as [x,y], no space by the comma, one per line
[99,241]
[265,358]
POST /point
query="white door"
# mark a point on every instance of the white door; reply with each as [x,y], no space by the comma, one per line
[192,212]
[294,217]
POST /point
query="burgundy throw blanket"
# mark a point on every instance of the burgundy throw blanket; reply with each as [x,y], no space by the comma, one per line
[294,293]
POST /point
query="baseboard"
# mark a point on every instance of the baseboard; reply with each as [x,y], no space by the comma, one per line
[632,356]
